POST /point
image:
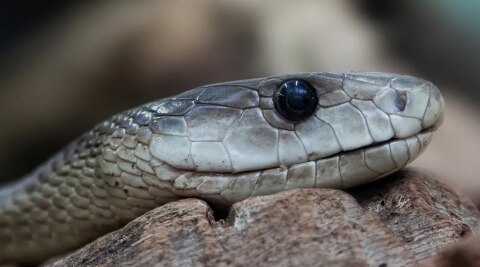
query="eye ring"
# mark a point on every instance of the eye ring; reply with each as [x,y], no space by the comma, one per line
[295,100]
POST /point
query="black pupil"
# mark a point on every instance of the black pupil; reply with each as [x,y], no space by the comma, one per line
[296,100]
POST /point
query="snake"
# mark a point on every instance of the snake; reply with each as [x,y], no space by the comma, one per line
[221,143]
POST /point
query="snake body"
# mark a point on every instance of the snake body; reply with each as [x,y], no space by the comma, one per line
[221,143]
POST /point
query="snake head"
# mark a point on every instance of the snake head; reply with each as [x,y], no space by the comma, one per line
[249,125]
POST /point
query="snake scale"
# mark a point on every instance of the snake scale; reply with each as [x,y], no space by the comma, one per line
[222,143]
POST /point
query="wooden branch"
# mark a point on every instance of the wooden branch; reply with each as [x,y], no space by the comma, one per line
[397,221]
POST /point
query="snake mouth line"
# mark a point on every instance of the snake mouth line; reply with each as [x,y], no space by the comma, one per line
[342,153]
[389,141]
[421,136]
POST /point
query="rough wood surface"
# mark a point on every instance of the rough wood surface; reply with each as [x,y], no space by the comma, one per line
[425,213]
[397,221]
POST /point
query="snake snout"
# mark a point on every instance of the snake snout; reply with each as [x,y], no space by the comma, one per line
[434,113]
[413,105]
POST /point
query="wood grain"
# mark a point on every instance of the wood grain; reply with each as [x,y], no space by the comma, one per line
[398,221]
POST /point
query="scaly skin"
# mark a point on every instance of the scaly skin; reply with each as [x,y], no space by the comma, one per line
[222,143]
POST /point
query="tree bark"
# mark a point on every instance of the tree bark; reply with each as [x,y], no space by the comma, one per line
[397,221]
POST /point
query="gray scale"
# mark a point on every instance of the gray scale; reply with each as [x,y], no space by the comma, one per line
[211,123]
[230,96]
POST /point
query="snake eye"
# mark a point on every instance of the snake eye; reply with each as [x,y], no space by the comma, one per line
[296,100]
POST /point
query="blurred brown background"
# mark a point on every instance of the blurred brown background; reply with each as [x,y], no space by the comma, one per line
[66,65]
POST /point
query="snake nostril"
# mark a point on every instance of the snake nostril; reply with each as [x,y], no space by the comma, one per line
[401,100]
